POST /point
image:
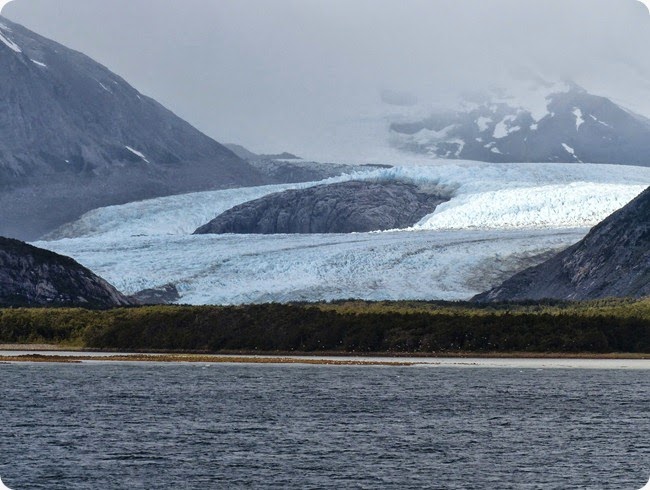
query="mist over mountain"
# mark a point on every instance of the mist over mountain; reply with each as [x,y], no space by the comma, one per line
[326,80]
[550,123]
[74,136]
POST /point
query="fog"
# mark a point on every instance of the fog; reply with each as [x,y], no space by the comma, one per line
[306,75]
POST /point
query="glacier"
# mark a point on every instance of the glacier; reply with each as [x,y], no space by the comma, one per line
[502,218]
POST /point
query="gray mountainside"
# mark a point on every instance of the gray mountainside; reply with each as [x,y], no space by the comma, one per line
[287,167]
[612,260]
[74,136]
[578,127]
[31,276]
[346,207]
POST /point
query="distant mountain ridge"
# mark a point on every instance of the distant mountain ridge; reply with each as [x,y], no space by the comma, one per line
[613,260]
[566,124]
[31,276]
[286,167]
[74,136]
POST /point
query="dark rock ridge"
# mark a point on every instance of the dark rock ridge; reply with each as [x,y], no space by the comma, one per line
[31,276]
[286,167]
[613,260]
[245,154]
[578,127]
[354,206]
[281,156]
[74,136]
[242,152]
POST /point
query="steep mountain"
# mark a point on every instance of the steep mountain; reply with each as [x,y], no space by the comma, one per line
[31,276]
[612,260]
[549,123]
[74,136]
[344,207]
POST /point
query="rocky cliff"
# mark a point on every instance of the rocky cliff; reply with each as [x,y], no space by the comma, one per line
[31,276]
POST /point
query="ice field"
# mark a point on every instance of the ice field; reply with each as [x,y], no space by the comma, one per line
[503,217]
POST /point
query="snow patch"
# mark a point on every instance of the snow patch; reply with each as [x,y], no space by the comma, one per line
[571,151]
[579,119]
[104,87]
[137,153]
[503,129]
[12,45]
[39,63]
[599,121]
[483,123]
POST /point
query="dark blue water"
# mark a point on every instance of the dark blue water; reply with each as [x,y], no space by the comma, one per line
[116,426]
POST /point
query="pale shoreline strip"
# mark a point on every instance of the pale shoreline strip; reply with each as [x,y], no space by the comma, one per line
[442,362]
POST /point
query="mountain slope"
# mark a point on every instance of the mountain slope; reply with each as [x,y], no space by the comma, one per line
[553,124]
[612,260]
[31,276]
[74,136]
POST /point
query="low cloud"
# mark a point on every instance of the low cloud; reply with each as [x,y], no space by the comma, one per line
[303,75]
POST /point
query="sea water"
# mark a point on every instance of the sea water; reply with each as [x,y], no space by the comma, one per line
[196,426]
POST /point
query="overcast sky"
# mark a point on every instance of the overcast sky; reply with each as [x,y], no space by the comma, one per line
[298,74]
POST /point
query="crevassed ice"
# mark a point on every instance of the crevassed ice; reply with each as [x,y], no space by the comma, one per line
[527,209]
[233,269]
[579,204]
[486,195]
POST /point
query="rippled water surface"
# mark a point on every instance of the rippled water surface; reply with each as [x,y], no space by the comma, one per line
[159,426]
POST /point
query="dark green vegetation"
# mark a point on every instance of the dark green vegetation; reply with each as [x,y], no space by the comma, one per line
[356,327]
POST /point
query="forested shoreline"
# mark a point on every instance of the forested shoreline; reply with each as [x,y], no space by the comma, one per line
[359,327]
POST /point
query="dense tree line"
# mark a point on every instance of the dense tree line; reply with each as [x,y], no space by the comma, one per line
[352,326]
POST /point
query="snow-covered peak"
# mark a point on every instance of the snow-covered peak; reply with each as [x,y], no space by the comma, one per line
[531,96]
[538,122]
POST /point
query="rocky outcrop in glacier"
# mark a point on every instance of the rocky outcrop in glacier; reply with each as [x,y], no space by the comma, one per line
[346,207]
